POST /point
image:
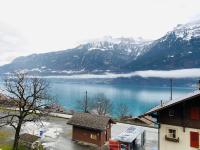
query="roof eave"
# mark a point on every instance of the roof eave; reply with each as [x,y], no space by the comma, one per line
[112,121]
[164,107]
[97,129]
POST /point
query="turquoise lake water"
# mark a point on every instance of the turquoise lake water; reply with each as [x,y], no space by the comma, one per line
[138,99]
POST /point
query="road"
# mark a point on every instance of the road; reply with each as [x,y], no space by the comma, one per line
[57,135]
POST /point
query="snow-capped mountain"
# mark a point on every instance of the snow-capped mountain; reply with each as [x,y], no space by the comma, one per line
[99,55]
[130,46]
[188,31]
[178,49]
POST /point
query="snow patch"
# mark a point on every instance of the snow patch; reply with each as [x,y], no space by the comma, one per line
[96,48]
[43,67]
[49,130]
[129,50]
[188,31]
[35,69]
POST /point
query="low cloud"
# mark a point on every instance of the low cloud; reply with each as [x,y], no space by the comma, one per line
[12,44]
[182,73]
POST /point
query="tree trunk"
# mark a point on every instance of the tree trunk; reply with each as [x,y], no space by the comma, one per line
[16,140]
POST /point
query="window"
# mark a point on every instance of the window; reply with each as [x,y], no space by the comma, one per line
[171,133]
[171,113]
[194,139]
[93,136]
[124,146]
[195,113]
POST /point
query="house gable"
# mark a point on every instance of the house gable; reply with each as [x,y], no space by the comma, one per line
[185,114]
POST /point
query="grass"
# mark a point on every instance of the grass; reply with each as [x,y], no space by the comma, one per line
[9,147]
[5,147]
[5,134]
[6,109]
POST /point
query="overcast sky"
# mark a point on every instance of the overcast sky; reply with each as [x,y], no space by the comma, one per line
[35,26]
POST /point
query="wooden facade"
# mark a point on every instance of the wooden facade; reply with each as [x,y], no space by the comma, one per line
[96,137]
[91,128]
[182,114]
[179,123]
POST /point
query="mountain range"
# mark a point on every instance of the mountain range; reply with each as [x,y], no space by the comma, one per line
[178,49]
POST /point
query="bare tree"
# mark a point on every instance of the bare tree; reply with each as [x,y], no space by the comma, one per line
[122,110]
[29,96]
[102,105]
[84,104]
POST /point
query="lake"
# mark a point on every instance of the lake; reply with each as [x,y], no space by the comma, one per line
[139,99]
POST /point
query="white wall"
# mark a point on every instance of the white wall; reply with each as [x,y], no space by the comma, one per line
[184,138]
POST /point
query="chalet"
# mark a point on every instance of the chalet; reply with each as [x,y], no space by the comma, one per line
[30,141]
[2,97]
[55,108]
[5,102]
[178,122]
[91,128]
[143,121]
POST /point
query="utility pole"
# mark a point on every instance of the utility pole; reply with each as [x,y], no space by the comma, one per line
[86,102]
[171,89]
[199,85]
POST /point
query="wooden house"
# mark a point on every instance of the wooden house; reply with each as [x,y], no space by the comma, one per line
[2,97]
[6,102]
[143,121]
[91,128]
[179,123]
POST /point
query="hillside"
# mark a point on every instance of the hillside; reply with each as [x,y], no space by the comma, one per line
[178,49]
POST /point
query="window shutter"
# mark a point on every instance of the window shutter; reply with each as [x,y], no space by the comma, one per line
[114,145]
[194,139]
[195,113]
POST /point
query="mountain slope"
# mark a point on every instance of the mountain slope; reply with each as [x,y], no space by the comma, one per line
[94,56]
[178,49]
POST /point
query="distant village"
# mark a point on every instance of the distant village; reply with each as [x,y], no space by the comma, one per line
[31,119]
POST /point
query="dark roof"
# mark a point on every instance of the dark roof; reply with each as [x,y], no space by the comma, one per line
[29,137]
[5,101]
[3,97]
[91,121]
[174,102]
[146,120]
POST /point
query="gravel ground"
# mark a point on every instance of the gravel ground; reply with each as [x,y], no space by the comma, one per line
[57,135]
